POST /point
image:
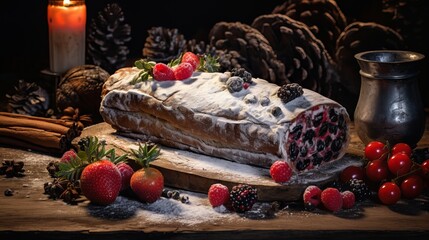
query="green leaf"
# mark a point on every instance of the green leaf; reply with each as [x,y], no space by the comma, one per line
[145,154]
[175,62]
[209,63]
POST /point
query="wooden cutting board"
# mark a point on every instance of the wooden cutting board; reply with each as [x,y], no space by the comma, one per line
[196,172]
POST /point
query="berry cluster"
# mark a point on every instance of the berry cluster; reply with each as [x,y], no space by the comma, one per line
[330,198]
[238,79]
[240,199]
[178,69]
[390,171]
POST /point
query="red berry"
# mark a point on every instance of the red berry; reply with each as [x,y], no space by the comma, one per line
[68,155]
[311,195]
[351,172]
[183,71]
[412,186]
[399,164]
[389,193]
[218,194]
[192,59]
[425,167]
[280,171]
[401,147]
[348,199]
[162,72]
[126,173]
[246,85]
[332,199]
[377,170]
[376,150]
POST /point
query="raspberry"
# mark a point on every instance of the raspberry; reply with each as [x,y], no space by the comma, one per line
[126,173]
[218,194]
[183,71]
[162,72]
[311,196]
[332,199]
[280,171]
[192,59]
[348,199]
[68,155]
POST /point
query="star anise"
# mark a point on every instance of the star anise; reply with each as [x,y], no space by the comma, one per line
[73,114]
[10,168]
[53,167]
[63,189]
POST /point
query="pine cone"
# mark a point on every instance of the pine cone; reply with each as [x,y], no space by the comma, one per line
[81,88]
[28,99]
[73,114]
[407,17]
[359,37]
[163,44]
[305,58]
[200,47]
[107,38]
[241,46]
[323,17]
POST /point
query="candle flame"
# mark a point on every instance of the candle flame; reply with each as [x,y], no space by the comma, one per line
[66,2]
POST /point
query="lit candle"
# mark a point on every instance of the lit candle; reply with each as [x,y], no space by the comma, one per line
[66,20]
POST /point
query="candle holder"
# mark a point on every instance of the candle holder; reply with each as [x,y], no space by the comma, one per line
[67,23]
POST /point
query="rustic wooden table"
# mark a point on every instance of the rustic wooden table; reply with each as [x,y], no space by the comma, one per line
[29,214]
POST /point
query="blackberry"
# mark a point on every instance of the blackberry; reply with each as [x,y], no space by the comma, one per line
[243,197]
[241,72]
[289,92]
[234,84]
[359,188]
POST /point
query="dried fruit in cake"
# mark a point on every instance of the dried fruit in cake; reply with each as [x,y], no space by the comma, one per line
[218,194]
[148,182]
[280,171]
[243,197]
[332,199]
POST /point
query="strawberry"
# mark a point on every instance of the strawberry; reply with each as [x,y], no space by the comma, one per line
[162,72]
[148,182]
[101,182]
[100,179]
[280,171]
[218,194]
[126,173]
[68,155]
[191,58]
[183,71]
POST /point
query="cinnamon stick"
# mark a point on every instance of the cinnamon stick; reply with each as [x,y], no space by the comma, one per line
[37,133]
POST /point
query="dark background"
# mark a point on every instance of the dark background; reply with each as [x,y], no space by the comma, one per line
[24,29]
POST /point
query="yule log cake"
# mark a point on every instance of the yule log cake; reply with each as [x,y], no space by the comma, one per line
[213,115]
